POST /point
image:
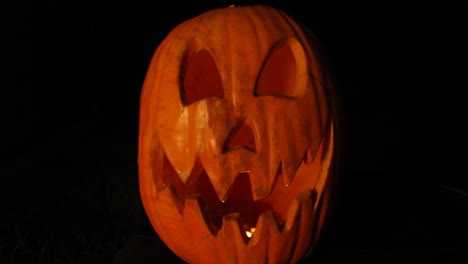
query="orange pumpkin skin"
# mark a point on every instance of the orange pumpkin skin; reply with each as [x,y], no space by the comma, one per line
[238,130]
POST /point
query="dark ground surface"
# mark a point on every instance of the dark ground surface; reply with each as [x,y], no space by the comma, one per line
[70,122]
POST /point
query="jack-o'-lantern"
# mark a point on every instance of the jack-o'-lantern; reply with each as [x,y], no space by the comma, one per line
[238,138]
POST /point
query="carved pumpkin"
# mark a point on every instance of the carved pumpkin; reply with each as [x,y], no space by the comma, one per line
[237,138]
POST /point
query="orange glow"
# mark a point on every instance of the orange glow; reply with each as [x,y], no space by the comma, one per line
[250,233]
[235,136]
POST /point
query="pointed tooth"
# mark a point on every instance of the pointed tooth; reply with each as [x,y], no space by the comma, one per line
[169,221]
[260,184]
[230,237]
[168,198]
[222,181]
[258,244]
[196,218]
[291,158]
[196,171]
[184,176]
[299,203]
[267,220]
[266,226]
[223,169]
[157,160]
[306,199]
[306,202]
[262,180]
[291,161]
[289,169]
[171,177]
[292,216]
[181,168]
[231,230]
[309,156]
[322,205]
[281,243]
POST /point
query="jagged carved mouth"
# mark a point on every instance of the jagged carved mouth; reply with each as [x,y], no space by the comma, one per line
[239,199]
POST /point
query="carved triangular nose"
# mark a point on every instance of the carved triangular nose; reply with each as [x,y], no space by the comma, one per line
[241,136]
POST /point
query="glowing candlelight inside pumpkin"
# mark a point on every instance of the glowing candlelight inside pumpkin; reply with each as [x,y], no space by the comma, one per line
[250,233]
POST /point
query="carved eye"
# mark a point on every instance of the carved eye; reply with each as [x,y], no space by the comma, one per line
[200,77]
[278,76]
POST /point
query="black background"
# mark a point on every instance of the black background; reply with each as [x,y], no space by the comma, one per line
[69,97]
